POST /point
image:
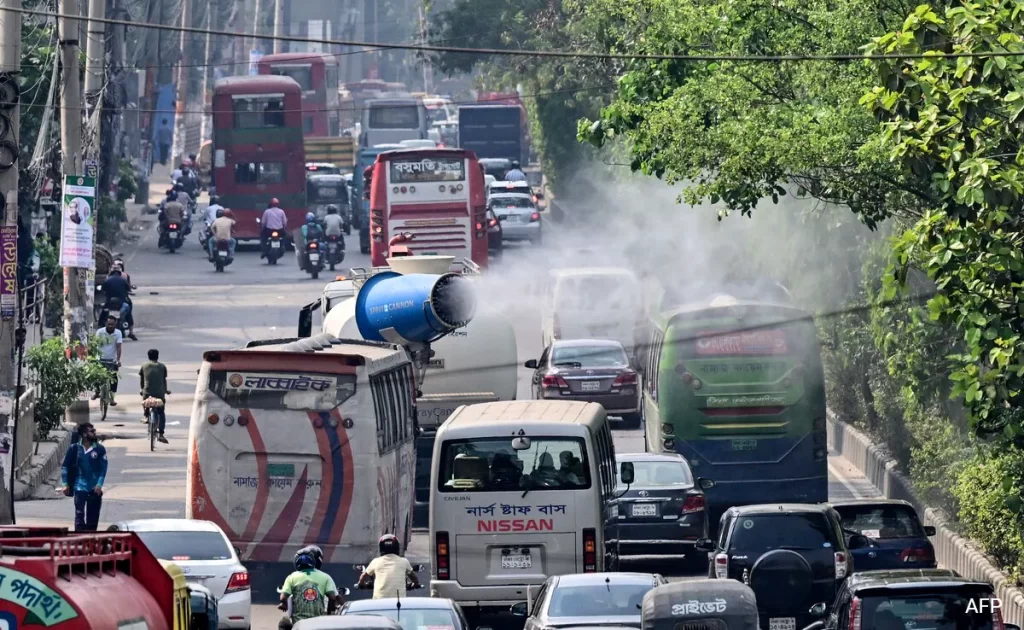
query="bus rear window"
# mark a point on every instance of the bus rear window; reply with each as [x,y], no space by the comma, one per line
[259,172]
[257,112]
[492,465]
[394,117]
[298,391]
[303,75]
[595,293]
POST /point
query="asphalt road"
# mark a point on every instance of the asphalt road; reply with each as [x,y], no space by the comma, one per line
[184,308]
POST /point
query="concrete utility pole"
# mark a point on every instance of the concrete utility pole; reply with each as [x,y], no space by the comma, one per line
[280,29]
[179,150]
[206,128]
[95,56]
[10,66]
[257,43]
[76,319]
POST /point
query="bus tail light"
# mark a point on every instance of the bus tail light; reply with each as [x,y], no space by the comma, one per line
[917,554]
[404,189]
[841,566]
[669,444]
[243,420]
[534,217]
[590,550]
[238,582]
[441,550]
[693,503]
[479,226]
[722,566]
[213,418]
[553,381]
[855,614]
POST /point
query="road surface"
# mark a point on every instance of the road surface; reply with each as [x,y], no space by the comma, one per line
[182,308]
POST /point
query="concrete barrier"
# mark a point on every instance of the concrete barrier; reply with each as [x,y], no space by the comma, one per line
[951,550]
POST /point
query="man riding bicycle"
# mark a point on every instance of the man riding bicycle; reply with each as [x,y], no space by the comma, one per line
[390,571]
[307,588]
[108,340]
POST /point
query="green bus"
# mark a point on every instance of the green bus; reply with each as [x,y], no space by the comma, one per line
[737,388]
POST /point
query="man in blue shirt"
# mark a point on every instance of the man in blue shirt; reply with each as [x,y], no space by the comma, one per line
[82,476]
[515,174]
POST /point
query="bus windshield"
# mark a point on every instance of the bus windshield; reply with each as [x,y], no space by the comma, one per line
[394,117]
[303,75]
[492,465]
[296,391]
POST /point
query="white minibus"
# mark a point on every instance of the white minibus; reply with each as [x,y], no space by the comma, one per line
[520,491]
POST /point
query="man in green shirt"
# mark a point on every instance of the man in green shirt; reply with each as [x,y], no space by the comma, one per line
[153,376]
[307,588]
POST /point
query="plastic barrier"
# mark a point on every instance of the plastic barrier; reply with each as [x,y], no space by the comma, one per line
[418,308]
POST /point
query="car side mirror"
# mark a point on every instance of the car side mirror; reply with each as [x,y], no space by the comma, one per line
[704,544]
[518,610]
[929,530]
[705,483]
[417,568]
[626,473]
[1011,626]
[345,591]
[857,541]
[819,609]
[532,364]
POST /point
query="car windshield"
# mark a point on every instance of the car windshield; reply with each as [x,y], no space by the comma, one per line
[184,546]
[931,611]
[415,619]
[758,533]
[598,600]
[590,356]
[658,474]
[881,521]
[492,465]
[511,202]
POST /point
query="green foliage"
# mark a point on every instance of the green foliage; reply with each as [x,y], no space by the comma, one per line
[108,221]
[956,123]
[127,185]
[989,493]
[61,381]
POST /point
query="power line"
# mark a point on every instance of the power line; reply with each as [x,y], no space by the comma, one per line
[557,54]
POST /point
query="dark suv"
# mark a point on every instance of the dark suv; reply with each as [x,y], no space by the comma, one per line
[793,556]
[926,599]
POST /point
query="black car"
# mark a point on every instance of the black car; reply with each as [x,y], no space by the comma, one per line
[792,555]
[898,539]
[589,370]
[663,512]
[925,599]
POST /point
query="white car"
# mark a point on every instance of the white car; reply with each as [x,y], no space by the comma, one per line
[206,556]
[519,217]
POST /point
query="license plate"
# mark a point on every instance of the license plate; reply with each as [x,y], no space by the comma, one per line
[222,254]
[276,245]
[333,248]
[516,561]
[174,235]
[314,257]
[782,623]
[591,386]
[744,445]
[644,509]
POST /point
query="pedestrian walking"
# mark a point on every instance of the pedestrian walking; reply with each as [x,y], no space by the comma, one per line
[153,377]
[164,138]
[82,475]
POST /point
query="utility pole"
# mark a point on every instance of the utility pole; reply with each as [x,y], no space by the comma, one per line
[204,133]
[10,66]
[257,43]
[280,45]
[179,151]
[95,55]
[428,70]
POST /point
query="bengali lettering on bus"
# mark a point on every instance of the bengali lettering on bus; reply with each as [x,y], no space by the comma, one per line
[756,342]
[279,382]
[536,524]
[428,170]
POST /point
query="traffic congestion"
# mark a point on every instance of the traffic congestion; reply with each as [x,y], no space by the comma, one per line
[442,443]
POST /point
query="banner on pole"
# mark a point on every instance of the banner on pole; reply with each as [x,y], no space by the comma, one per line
[78,222]
[8,271]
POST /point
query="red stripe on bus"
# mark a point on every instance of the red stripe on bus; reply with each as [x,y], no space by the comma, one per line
[346,497]
[263,492]
[285,523]
[326,479]
[270,361]
[203,507]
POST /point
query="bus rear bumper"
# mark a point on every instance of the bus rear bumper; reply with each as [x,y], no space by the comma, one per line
[728,493]
[489,598]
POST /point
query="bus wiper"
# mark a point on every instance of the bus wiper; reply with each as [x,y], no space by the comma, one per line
[530,485]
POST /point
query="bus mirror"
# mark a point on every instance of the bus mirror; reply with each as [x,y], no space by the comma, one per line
[520,443]
[705,484]
[532,364]
[626,473]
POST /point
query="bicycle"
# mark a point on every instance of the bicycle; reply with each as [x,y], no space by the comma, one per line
[106,396]
[152,407]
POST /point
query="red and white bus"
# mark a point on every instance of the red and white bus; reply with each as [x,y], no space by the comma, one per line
[437,195]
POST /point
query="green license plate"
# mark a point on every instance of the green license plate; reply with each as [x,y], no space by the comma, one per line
[744,445]
[280,470]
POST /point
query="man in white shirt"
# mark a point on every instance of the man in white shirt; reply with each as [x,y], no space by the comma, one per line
[108,341]
[334,225]
[210,214]
[389,570]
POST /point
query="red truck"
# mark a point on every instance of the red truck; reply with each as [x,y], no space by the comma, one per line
[54,580]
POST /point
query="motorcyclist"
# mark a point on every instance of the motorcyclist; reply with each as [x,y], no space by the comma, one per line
[334,224]
[174,212]
[515,174]
[210,214]
[222,229]
[390,571]
[311,231]
[115,286]
[273,219]
[187,201]
[307,588]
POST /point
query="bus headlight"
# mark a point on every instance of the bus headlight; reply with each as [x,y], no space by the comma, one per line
[667,428]
[333,422]
[669,443]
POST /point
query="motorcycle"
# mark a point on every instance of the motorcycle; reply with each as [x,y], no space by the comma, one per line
[275,247]
[314,259]
[222,255]
[204,238]
[335,250]
[175,237]
[112,306]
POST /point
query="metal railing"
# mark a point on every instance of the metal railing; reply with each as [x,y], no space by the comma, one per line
[359,275]
[31,332]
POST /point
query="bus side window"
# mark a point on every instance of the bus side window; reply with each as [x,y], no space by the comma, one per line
[656,363]
[378,408]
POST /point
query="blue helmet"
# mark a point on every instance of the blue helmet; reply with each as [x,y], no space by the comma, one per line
[316,552]
[310,217]
[304,559]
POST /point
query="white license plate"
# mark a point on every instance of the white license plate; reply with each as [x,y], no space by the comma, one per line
[314,257]
[222,253]
[276,244]
[591,386]
[516,561]
[173,235]
[333,248]
[782,623]
[644,509]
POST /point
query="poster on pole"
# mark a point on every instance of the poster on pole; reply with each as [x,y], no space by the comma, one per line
[8,271]
[78,221]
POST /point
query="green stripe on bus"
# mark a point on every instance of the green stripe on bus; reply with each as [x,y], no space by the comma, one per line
[248,202]
[224,138]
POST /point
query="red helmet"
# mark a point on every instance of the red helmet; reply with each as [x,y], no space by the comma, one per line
[229,214]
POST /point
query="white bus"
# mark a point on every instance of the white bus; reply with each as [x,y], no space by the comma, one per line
[520,491]
[392,120]
[593,303]
[298,442]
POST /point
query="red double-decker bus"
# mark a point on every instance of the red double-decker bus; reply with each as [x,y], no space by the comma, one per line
[437,195]
[258,152]
[317,75]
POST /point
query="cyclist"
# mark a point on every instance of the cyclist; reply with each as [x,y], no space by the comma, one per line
[307,588]
[109,340]
[153,377]
[390,571]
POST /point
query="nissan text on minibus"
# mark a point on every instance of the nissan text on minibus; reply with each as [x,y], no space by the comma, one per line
[520,491]
[299,442]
